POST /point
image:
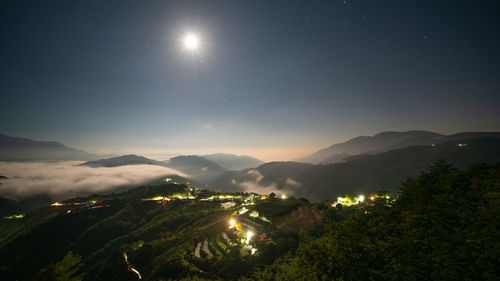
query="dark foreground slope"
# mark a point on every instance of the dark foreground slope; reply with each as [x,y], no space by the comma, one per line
[108,236]
[444,225]
[10,207]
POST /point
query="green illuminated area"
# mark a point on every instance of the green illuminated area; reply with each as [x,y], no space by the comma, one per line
[262,238]
[179,196]
[158,229]
[223,196]
[355,199]
[15,217]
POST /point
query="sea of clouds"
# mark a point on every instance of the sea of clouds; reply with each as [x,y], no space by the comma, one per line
[65,179]
[253,183]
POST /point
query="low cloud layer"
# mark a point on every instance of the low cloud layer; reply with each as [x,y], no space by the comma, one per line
[253,186]
[253,183]
[66,179]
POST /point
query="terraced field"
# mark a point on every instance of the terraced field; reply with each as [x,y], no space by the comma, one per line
[149,232]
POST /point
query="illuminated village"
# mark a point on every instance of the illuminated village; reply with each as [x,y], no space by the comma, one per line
[243,225]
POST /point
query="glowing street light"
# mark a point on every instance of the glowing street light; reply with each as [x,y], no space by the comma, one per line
[232,223]
[249,236]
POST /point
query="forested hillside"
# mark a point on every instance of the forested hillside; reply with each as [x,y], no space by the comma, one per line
[443,224]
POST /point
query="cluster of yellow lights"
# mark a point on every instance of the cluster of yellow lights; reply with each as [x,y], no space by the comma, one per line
[249,234]
[223,196]
[254,214]
[14,217]
[349,201]
[243,210]
[169,198]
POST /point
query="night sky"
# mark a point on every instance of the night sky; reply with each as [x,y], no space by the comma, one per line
[274,79]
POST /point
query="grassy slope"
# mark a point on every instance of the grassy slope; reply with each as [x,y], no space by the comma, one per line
[167,233]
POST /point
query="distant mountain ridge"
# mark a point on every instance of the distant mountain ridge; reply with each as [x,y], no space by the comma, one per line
[233,162]
[199,168]
[129,159]
[196,167]
[22,149]
[361,173]
[383,142]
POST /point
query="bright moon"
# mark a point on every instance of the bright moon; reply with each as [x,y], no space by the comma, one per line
[191,42]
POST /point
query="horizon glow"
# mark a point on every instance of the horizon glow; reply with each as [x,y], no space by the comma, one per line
[277,83]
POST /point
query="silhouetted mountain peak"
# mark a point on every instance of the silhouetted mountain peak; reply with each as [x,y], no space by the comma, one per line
[199,168]
[129,159]
[22,149]
[385,141]
[23,142]
[233,162]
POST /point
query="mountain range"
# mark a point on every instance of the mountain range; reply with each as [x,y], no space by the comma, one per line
[176,232]
[197,167]
[129,159]
[232,162]
[202,169]
[361,173]
[21,149]
[361,164]
[384,142]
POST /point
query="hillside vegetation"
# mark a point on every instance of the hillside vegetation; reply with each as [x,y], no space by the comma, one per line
[443,224]
[154,230]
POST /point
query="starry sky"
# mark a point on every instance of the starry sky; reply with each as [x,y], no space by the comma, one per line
[272,79]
